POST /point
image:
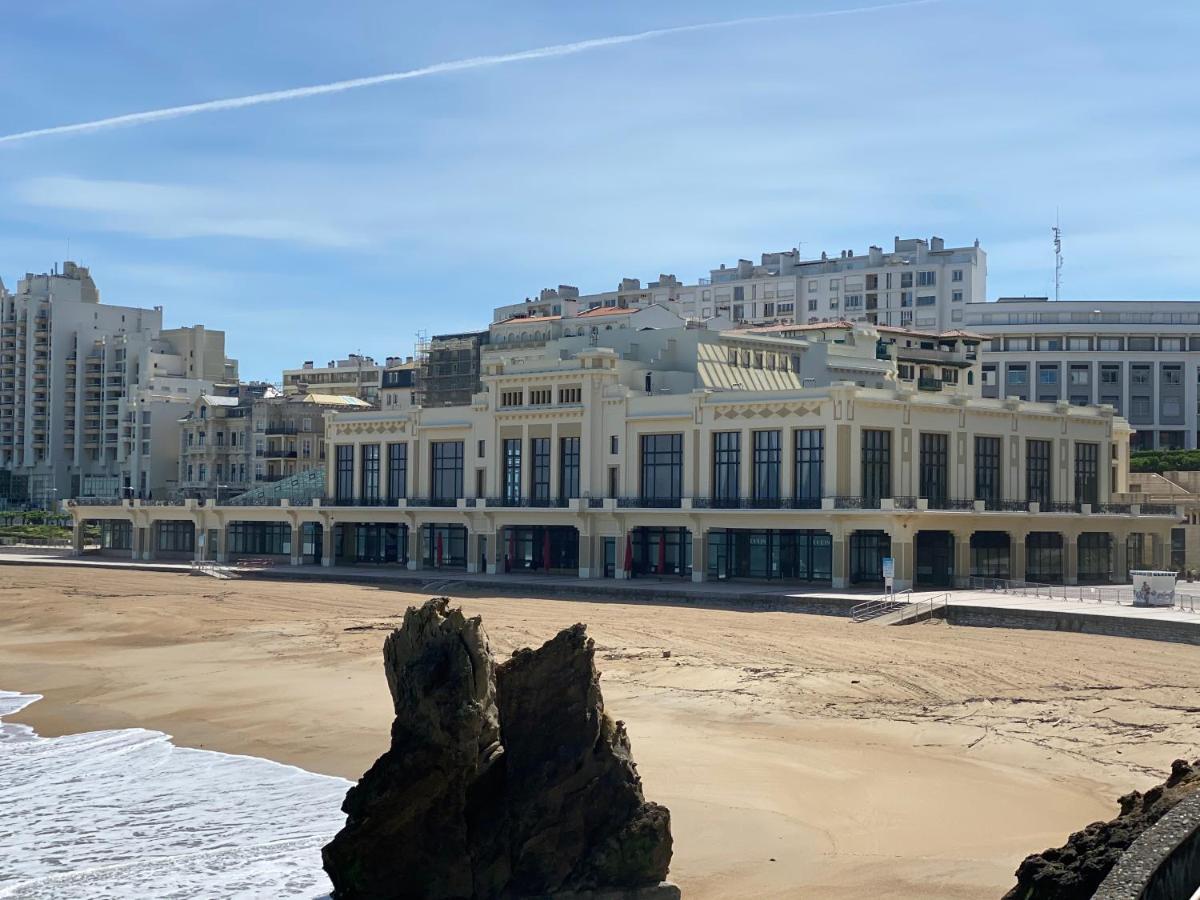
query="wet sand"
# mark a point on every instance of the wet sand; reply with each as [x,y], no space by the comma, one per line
[801,756]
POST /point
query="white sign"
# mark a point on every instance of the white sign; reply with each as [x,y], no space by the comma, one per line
[889,568]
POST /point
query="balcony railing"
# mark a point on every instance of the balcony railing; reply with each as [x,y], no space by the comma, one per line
[281,429]
[951,503]
[432,501]
[924,383]
[904,502]
[1058,506]
[533,502]
[649,502]
[1113,509]
[278,454]
[1158,509]
[756,503]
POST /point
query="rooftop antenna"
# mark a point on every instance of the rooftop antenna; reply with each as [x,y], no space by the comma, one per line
[1058,257]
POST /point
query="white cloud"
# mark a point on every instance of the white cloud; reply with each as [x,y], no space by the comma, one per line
[179,211]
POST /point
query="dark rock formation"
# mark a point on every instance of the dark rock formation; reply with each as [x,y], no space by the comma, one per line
[576,815]
[1075,870]
[499,782]
[406,828]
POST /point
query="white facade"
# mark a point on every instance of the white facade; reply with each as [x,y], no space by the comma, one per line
[355,376]
[90,392]
[919,284]
[1141,357]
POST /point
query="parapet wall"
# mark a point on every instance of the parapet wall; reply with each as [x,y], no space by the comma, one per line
[1162,864]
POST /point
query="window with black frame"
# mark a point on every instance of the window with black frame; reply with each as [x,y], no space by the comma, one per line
[662,469]
[568,467]
[987,470]
[397,472]
[768,458]
[512,470]
[540,451]
[176,537]
[369,479]
[810,467]
[727,467]
[1037,471]
[447,464]
[1087,473]
[934,465]
[876,465]
[344,473]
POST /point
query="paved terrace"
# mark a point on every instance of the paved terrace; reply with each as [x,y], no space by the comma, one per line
[1104,610]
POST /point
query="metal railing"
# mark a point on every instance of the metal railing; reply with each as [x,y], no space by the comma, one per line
[649,502]
[1117,595]
[879,606]
[756,502]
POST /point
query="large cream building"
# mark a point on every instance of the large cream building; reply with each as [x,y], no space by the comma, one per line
[803,454]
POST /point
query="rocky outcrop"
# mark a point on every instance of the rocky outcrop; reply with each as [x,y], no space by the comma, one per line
[1075,870]
[500,782]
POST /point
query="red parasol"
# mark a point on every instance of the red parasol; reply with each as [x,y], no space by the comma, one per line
[628,555]
[439,550]
[546,549]
[662,555]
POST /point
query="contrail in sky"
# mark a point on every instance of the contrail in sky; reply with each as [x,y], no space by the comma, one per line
[476,62]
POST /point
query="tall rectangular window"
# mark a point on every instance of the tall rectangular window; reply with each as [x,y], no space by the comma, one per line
[987,470]
[935,469]
[369,479]
[447,465]
[727,466]
[397,472]
[876,464]
[512,470]
[768,456]
[568,467]
[344,473]
[1037,471]
[1087,473]
[662,468]
[540,451]
[810,467]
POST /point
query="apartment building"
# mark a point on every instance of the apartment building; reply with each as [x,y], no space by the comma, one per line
[919,284]
[289,432]
[90,393]
[1141,357]
[398,387]
[355,376]
[687,453]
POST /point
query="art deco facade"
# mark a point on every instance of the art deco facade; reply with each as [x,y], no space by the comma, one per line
[807,456]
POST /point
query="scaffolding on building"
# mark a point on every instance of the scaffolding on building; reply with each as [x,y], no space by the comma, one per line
[447,368]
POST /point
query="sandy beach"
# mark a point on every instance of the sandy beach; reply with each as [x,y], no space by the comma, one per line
[800,756]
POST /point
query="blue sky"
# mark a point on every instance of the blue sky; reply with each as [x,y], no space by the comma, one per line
[311,228]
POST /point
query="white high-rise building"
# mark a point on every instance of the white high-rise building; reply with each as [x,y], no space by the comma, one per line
[91,394]
[919,284]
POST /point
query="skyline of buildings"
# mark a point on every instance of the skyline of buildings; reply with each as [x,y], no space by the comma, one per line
[91,395]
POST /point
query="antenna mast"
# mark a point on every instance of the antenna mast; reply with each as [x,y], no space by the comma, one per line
[1058,258]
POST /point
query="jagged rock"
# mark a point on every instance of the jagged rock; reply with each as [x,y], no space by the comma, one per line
[407,832]
[500,782]
[577,817]
[1075,870]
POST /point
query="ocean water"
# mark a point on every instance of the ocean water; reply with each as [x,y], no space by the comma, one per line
[119,814]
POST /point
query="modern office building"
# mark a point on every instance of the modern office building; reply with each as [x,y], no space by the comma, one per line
[806,456]
[355,376]
[919,284]
[91,394]
[1139,356]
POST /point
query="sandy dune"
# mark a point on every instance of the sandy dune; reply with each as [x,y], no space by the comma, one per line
[800,756]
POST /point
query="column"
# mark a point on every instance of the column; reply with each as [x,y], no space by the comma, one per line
[496,552]
[77,538]
[1120,563]
[962,559]
[585,554]
[357,489]
[622,539]
[472,552]
[414,547]
[297,545]
[1157,556]
[1070,558]
[1016,555]
[838,553]
[699,555]
[555,462]
[328,536]
[902,552]
[146,542]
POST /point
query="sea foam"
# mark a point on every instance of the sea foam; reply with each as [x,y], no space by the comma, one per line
[108,814]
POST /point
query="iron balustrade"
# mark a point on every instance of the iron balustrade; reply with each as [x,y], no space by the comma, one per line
[1113,508]
[649,502]
[848,503]
[958,503]
[929,384]
[1058,506]
[904,502]
[595,502]
[1007,505]
[1157,509]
